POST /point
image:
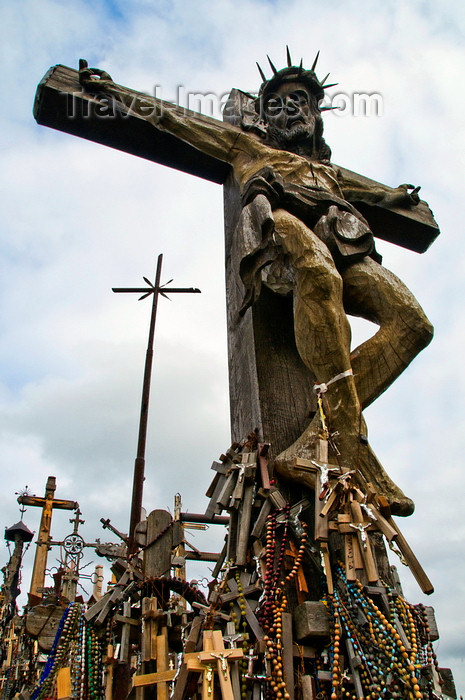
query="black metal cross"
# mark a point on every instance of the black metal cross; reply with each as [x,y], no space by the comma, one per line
[139,466]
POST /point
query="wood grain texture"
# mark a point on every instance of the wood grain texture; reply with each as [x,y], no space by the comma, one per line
[157,555]
[270,387]
[62,104]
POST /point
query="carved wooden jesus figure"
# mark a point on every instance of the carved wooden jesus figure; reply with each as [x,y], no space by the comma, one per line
[302,235]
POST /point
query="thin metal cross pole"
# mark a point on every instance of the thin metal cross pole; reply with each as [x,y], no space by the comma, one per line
[139,466]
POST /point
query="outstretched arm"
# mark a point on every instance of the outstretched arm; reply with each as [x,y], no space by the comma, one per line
[402,196]
[395,214]
[357,189]
[212,137]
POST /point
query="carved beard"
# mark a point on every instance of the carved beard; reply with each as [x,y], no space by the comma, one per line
[300,135]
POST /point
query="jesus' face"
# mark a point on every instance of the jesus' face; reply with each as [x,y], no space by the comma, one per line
[289,114]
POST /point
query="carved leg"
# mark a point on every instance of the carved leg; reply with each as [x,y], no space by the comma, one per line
[323,340]
[322,330]
[376,294]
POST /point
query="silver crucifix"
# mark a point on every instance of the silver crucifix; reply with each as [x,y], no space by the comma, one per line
[363,535]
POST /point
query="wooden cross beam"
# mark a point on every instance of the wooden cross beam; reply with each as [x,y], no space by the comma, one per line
[119,120]
[249,613]
[153,678]
[62,104]
[413,563]
[47,503]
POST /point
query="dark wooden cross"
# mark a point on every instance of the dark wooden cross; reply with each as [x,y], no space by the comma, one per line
[47,503]
[270,387]
[139,467]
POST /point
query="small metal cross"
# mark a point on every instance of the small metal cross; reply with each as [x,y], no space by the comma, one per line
[251,658]
[77,521]
[139,467]
[362,530]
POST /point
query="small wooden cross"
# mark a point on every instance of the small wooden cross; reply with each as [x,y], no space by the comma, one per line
[322,472]
[360,524]
[47,503]
[11,638]
[163,674]
[214,657]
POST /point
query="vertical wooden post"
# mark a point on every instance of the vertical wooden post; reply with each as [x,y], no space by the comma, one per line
[270,387]
[125,632]
[64,683]
[288,656]
[40,559]
[162,662]
[208,676]
[157,555]
[98,585]
[109,663]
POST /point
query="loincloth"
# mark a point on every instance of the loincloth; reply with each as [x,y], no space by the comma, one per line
[337,223]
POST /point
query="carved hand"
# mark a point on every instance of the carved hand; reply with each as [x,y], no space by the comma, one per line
[93,79]
[402,196]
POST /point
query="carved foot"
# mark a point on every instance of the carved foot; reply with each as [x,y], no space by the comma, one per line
[354,454]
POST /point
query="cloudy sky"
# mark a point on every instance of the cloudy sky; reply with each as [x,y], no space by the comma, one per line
[78,218]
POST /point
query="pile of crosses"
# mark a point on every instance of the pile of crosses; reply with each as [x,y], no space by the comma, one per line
[310,590]
[302,602]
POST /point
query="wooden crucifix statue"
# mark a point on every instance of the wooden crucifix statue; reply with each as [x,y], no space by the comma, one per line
[300,255]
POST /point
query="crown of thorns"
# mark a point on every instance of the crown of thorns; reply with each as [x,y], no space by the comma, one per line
[293,74]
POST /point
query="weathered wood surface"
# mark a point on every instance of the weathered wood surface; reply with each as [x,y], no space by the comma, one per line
[62,104]
[413,228]
[42,623]
[270,387]
[311,620]
[162,663]
[47,503]
[288,656]
[157,554]
[307,688]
